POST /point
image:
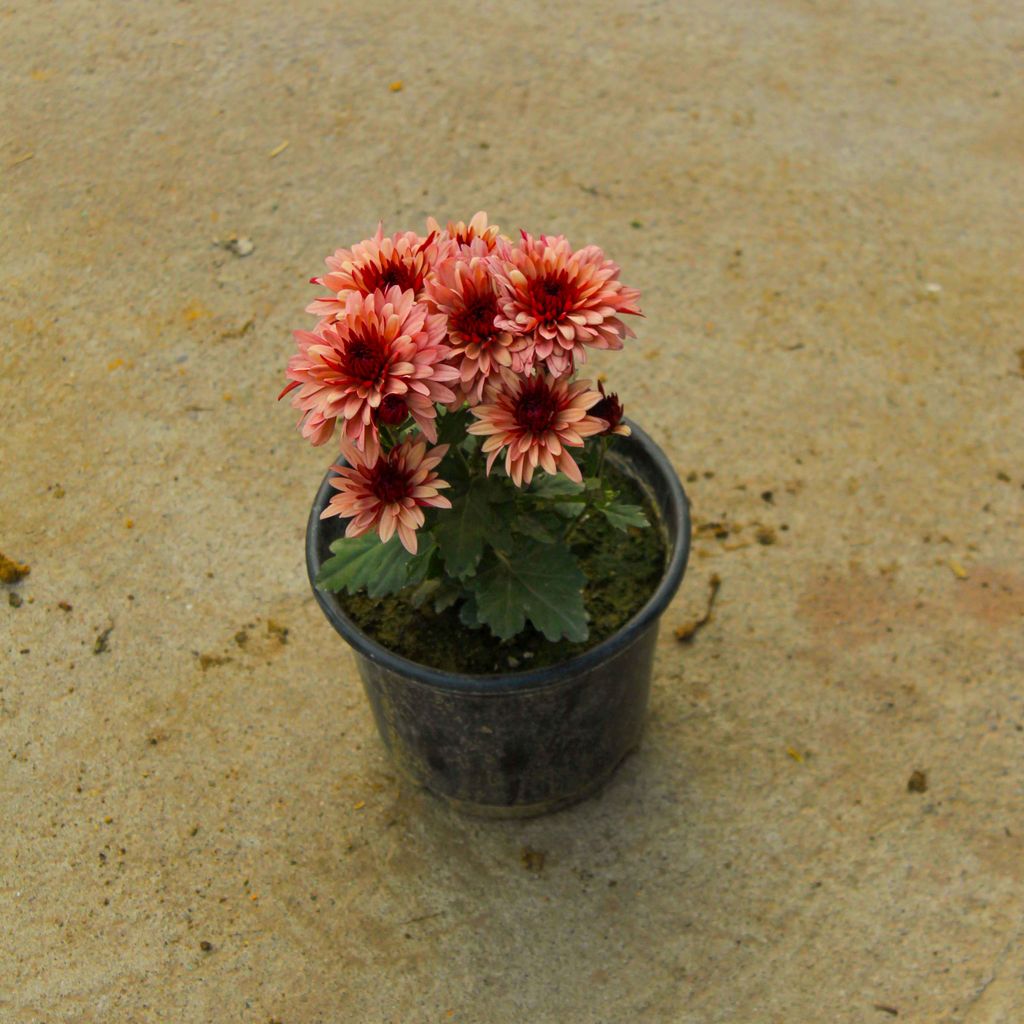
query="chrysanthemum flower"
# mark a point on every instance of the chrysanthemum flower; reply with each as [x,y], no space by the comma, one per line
[462,290]
[404,259]
[536,419]
[610,410]
[562,301]
[388,493]
[462,234]
[379,362]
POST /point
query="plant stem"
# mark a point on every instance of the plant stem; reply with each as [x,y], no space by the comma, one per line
[585,512]
[572,526]
[600,459]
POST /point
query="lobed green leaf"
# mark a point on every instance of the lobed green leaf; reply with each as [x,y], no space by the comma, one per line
[462,530]
[625,516]
[451,427]
[364,562]
[539,582]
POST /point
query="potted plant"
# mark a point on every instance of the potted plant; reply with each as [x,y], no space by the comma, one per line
[497,543]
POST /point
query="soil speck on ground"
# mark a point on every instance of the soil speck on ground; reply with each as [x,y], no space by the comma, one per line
[277,631]
[532,860]
[12,571]
[208,661]
[102,642]
[686,632]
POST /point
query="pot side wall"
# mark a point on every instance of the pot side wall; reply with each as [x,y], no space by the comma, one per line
[521,753]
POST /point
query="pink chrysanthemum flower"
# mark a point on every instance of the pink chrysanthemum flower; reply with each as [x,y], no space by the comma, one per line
[462,234]
[562,301]
[381,361]
[388,493]
[463,291]
[537,419]
[379,263]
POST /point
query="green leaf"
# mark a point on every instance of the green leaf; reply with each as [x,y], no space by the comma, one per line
[451,427]
[500,489]
[468,613]
[423,592]
[461,531]
[447,596]
[539,527]
[625,516]
[453,468]
[537,582]
[421,564]
[363,562]
[567,498]
[557,487]
[570,509]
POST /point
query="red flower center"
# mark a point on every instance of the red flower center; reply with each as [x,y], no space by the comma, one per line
[388,482]
[549,297]
[365,359]
[475,321]
[407,273]
[536,407]
[392,410]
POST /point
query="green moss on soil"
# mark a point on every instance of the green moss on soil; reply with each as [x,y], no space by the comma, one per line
[622,569]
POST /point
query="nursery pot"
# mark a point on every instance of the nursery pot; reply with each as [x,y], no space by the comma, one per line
[518,744]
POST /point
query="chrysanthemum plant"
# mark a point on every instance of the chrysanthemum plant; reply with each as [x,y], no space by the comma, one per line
[448,363]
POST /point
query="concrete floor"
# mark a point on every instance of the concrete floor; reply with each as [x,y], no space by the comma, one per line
[821,205]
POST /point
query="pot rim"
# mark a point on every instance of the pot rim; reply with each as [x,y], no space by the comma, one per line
[675,508]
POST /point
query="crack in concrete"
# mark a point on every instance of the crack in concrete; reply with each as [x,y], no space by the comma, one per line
[978,1004]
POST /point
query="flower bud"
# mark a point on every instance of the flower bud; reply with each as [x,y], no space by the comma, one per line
[609,409]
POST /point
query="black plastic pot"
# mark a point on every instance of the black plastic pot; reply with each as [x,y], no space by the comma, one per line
[519,743]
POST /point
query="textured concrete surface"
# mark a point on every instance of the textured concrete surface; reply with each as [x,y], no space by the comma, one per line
[821,204]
